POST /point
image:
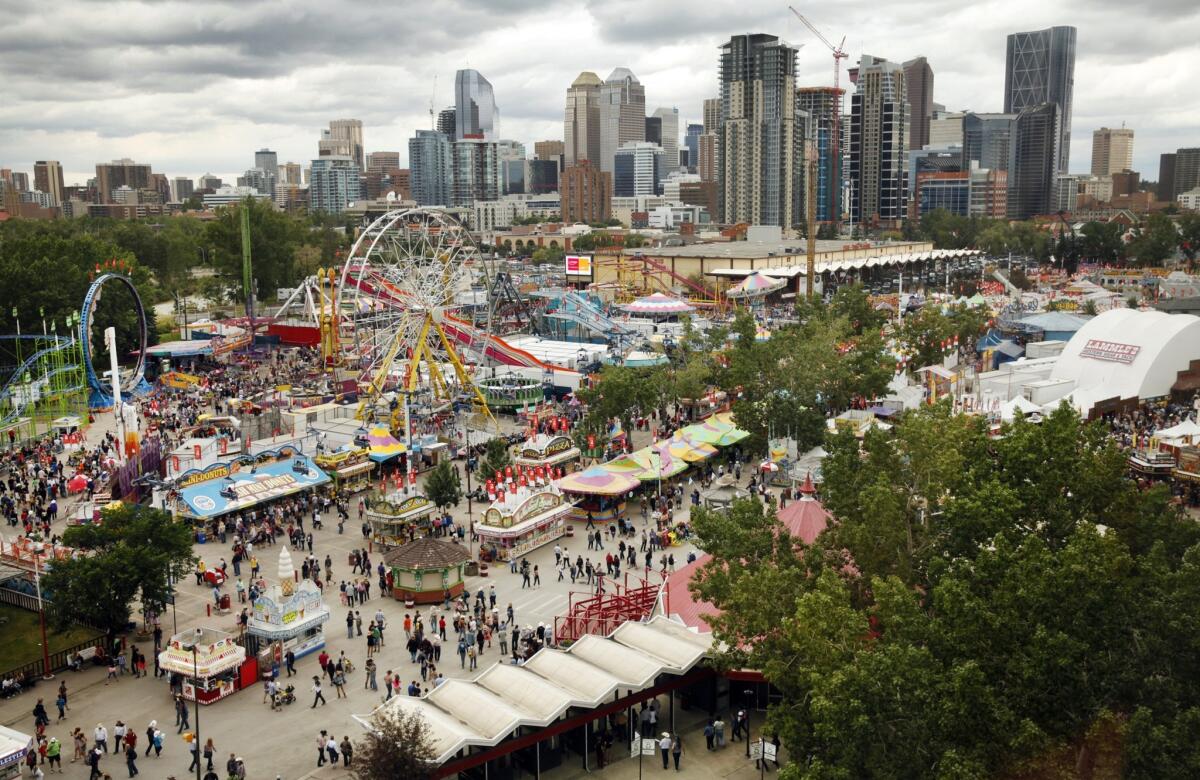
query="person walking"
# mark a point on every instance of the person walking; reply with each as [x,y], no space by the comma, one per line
[339,683]
[118,736]
[318,696]
[194,748]
[709,735]
[150,736]
[131,755]
[719,732]
[100,735]
[322,739]
[94,756]
[54,754]
[664,747]
[210,750]
[41,718]
[181,706]
[290,662]
[347,751]
[676,750]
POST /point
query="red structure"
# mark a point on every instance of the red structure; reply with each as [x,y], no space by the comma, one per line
[603,612]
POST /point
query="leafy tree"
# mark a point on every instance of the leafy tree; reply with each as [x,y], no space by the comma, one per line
[274,238]
[132,555]
[634,241]
[443,486]
[495,457]
[1103,241]
[397,744]
[924,332]
[1154,241]
[1189,235]
[548,254]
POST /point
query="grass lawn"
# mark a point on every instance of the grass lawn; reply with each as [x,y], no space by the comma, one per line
[23,638]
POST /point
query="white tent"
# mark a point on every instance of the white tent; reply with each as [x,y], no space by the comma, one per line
[1186,428]
[1008,411]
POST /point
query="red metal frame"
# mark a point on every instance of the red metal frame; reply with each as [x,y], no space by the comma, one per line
[602,613]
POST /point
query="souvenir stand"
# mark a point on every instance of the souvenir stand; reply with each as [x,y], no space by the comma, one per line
[391,517]
[525,514]
[214,672]
[547,451]
[288,616]
[426,570]
[350,470]
[601,494]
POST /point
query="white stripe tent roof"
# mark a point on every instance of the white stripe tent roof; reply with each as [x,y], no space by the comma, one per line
[486,710]
[874,261]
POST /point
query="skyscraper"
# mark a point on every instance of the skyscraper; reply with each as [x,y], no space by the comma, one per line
[291,173]
[550,150]
[475,112]
[48,178]
[669,138]
[712,115]
[878,142]
[759,151]
[1112,151]
[918,81]
[1166,177]
[429,160]
[475,171]
[268,162]
[1187,171]
[1032,160]
[692,141]
[820,103]
[446,120]
[622,108]
[335,183]
[638,169]
[181,188]
[383,162]
[343,138]
[121,173]
[986,139]
[1040,68]
[706,162]
[581,126]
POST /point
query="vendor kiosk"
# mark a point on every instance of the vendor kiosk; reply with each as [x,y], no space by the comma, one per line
[521,520]
[426,571]
[245,482]
[350,470]
[600,494]
[213,672]
[391,517]
[14,745]
[288,616]
[545,451]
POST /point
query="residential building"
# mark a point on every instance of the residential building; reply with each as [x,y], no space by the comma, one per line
[494,214]
[344,138]
[1125,183]
[475,112]
[334,184]
[989,192]
[638,169]
[48,178]
[210,182]
[581,126]
[622,111]
[1190,199]
[161,185]
[820,103]
[634,212]
[712,115]
[291,173]
[759,149]
[120,173]
[1066,193]
[672,216]
[290,197]
[706,162]
[918,82]
[878,142]
[429,160]
[1112,151]
[1187,171]
[382,162]
[268,162]
[1040,69]
[946,128]
[670,185]
[181,189]
[511,159]
[541,176]
[1166,177]
[691,141]
[987,138]
[20,181]
[447,118]
[586,193]
[669,135]
[1099,188]
[260,179]
[475,171]
[38,198]
[1032,161]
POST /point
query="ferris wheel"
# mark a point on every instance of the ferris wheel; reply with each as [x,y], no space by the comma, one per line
[397,298]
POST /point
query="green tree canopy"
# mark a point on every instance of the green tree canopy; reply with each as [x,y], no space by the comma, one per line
[274,238]
[396,745]
[495,457]
[443,486]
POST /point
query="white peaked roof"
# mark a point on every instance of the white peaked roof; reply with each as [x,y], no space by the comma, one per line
[1185,428]
[484,711]
[1019,404]
[1127,353]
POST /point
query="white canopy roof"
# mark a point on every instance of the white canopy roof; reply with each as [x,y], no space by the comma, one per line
[1019,404]
[1186,428]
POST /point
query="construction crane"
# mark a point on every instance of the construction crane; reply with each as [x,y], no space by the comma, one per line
[432,97]
[835,142]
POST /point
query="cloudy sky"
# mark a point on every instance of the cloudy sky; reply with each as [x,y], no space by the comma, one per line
[194,87]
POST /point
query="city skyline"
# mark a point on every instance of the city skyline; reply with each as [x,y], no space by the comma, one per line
[198,88]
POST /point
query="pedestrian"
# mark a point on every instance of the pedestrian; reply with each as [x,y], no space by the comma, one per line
[54,754]
[676,750]
[317,695]
[331,747]
[664,747]
[183,714]
[339,683]
[347,751]
[118,736]
[41,718]
[210,750]
[289,661]
[194,748]
[94,756]
[322,739]
[131,755]
[157,741]
[231,766]
[101,737]
[150,736]
[719,732]
[709,735]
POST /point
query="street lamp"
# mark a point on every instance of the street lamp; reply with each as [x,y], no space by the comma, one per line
[748,693]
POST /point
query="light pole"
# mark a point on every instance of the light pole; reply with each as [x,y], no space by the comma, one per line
[196,699]
[748,693]
[470,510]
[37,581]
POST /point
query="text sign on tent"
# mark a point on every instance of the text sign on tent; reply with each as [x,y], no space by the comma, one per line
[579,265]
[1110,350]
[649,746]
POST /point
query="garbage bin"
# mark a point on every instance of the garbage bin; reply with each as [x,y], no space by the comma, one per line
[201,537]
[225,601]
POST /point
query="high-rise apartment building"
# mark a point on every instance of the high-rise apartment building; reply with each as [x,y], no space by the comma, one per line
[691,141]
[121,173]
[210,182]
[712,115]
[1166,177]
[946,128]
[706,160]
[541,176]
[622,111]
[475,112]
[48,178]
[335,183]
[343,138]
[476,171]
[1032,161]
[383,162]
[820,104]
[447,118]
[511,158]
[1112,151]
[918,82]
[638,169]
[181,189]
[259,180]
[1039,69]
[878,143]
[268,162]
[429,160]
[760,149]
[581,126]
[586,194]
[986,139]
[291,173]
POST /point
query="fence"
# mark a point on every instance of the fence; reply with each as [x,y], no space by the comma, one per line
[35,670]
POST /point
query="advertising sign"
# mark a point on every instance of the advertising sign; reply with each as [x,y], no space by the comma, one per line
[1110,351]
[579,265]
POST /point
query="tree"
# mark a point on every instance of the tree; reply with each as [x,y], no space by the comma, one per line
[1103,241]
[620,391]
[495,457]
[132,555]
[548,254]
[442,486]
[274,238]
[1154,241]
[397,744]
[1189,235]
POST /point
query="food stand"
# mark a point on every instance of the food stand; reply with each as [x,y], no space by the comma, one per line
[247,481]
[545,451]
[601,494]
[521,520]
[288,616]
[350,470]
[425,570]
[391,517]
[213,672]
[14,745]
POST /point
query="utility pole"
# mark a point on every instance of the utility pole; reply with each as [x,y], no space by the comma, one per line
[247,282]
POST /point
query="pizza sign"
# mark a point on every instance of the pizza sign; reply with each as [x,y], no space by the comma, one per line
[1110,351]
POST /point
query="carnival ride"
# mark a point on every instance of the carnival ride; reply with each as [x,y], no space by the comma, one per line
[47,384]
[134,380]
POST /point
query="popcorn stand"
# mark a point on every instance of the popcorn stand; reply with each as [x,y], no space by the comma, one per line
[525,514]
[214,672]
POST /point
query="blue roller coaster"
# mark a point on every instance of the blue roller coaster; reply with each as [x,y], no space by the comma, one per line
[101,393]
